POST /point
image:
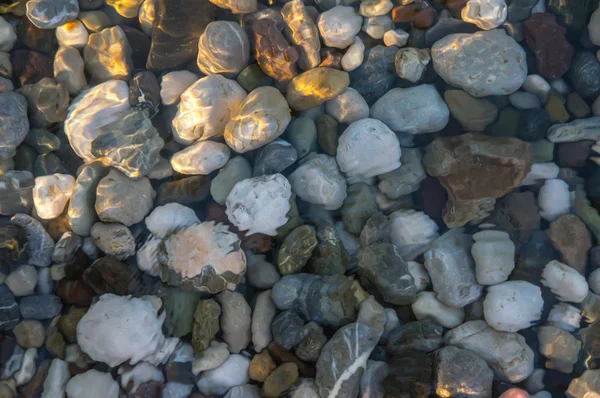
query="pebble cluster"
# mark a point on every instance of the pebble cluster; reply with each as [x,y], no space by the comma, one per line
[302,199]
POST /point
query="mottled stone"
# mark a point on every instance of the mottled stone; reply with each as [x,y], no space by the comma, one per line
[296,249]
[455,368]
[107,55]
[15,123]
[572,240]
[315,86]
[177,28]
[9,310]
[586,384]
[409,374]
[474,114]
[206,324]
[423,336]
[302,32]
[508,159]
[584,75]
[560,347]
[223,48]
[498,54]
[40,245]
[120,199]
[327,300]
[358,207]
[507,354]
[113,239]
[261,366]
[280,380]
[235,320]
[274,55]
[330,257]
[49,14]
[377,74]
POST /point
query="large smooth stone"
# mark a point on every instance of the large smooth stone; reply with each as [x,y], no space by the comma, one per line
[178,26]
[463,165]
[414,110]
[223,48]
[482,63]
[315,86]
[50,14]
[108,55]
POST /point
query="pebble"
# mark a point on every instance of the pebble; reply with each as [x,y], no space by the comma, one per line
[315,86]
[533,124]
[356,150]
[474,114]
[410,110]
[51,194]
[40,244]
[565,282]
[177,390]
[554,199]
[234,171]
[202,158]
[72,34]
[506,353]
[419,15]
[22,280]
[67,324]
[247,206]
[134,378]
[235,320]
[27,370]
[377,74]
[296,250]
[319,181]
[354,56]
[547,40]
[92,384]
[49,14]
[264,107]
[40,307]
[211,358]
[56,381]
[173,84]
[339,25]
[262,317]
[233,372]
[274,157]
[513,305]
[501,56]
[30,334]
[205,108]
[426,305]
[223,48]
[565,316]
[16,192]
[127,9]
[536,84]
[348,107]
[405,179]
[577,106]
[302,134]
[494,253]
[522,100]
[114,239]
[14,111]
[584,75]
[260,273]
[560,347]
[124,200]
[103,65]
[585,384]
[397,38]
[8,34]
[412,232]
[261,366]
[411,63]
[486,14]
[571,238]
[376,27]
[280,380]
[556,107]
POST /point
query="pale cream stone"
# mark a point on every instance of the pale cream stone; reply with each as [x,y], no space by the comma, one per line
[164,220]
[260,204]
[125,8]
[486,14]
[92,384]
[348,107]
[339,25]
[262,117]
[494,255]
[206,107]
[513,305]
[427,305]
[375,8]
[397,38]
[554,199]
[173,84]
[377,26]
[354,56]
[69,69]
[51,194]
[565,282]
[223,48]
[22,280]
[202,158]
[72,34]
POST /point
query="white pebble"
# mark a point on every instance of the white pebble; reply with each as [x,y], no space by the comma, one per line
[348,107]
[201,158]
[427,305]
[233,372]
[561,86]
[540,171]
[486,14]
[173,84]
[513,305]
[419,274]
[412,232]
[354,56]
[377,26]
[523,100]
[143,372]
[56,381]
[27,370]
[92,384]
[554,199]
[168,218]
[72,34]
[339,25]
[536,84]
[51,194]
[396,38]
[565,282]
[22,281]
[494,255]
[8,36]
[565,316]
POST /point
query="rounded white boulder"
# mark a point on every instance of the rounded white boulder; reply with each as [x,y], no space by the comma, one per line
[427,305]
[565,282]
[494,255]
[339,25]
[513,305]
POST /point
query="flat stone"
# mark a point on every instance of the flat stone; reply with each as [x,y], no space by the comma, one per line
[49,14]
[45,306]
[9,309]
[422,336]
[16,124]
[584,75]
[296,249]
[472,113]
[577,130]
[206,324]
[500,55]
[455,368]
[572,240]
[467,203]
[235,320]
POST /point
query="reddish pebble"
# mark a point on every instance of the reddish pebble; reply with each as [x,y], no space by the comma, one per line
[546,38]
[75,292]
[419,17]
[515,393]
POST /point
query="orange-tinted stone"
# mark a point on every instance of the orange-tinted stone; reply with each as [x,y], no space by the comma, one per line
[419,17]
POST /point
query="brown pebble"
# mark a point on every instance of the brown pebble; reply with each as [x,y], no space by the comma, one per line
[30,333]
[331,58]
[75,292]
[280,355]
[55,342]
[571,238]
[556,107]
[280,380]
[149,389]
[67,324]
[261,366]
[419,17]
[577,106]
[573,154]
[455,7]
